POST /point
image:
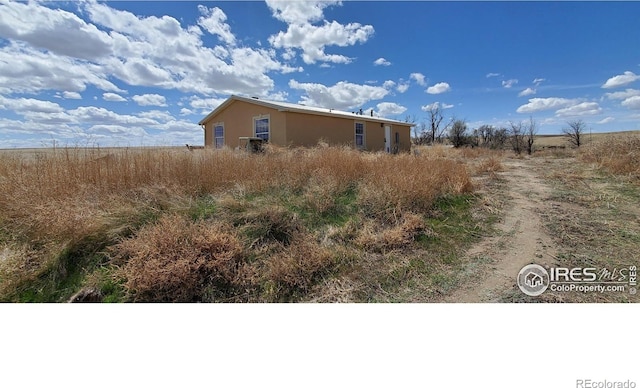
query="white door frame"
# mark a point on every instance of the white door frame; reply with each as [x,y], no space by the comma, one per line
[387,139]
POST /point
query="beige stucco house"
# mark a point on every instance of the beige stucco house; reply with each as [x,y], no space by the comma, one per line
[287,124]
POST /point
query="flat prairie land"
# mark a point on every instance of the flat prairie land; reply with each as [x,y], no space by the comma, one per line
[325,224]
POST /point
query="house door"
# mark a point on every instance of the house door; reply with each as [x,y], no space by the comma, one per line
[387,138]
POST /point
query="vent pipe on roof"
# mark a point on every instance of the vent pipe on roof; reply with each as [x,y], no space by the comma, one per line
[371,112]
[360,112]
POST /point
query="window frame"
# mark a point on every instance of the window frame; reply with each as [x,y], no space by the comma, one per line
[216,145]
[362,135]
[256,119]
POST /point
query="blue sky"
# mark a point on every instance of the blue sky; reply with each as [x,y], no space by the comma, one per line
[129,73]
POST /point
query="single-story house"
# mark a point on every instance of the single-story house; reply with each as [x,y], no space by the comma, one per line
[287,124]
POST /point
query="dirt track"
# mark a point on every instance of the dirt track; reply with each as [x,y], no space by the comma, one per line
[521,238]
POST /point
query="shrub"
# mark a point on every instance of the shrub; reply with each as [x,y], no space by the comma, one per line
[176,260]
[399,236]
[296,267]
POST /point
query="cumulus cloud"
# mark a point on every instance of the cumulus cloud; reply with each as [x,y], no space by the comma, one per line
[313,40]
[213,21]
[435,105]
[381,62]
[402,87]
[419,78]
[509,83]
[22,105]
[527,92]
[490,75]
[621,80]
[55,30]
[541,104]
[342,95]
[53,49]
[150,100]
[385,109]
[439,88]
[71,95]
[632,102]
[113,97]
[622,95]
[563,107]
[24,69]
[581,109]
[299,12]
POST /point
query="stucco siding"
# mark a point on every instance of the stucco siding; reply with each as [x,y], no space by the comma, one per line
[238,122]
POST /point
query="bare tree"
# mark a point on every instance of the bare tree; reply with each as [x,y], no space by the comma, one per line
[516,137]
[574,132]
[435,121]
[531,132]
[420,134]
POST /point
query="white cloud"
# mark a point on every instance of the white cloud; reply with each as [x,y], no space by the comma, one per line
[419,78]
[29,105]
[312,40]
[435,105]
[55,30]
[527,92]
[439,88]
[402,87]
[509,83]
[390,108]
[606,120]
[71,95]
[299,12]
[213,20]
[158,115]
[490,75]
[158,51]
[113,97]
[381,62]
[632,102]
[581,109]
[342,95]
[540,104]
[52,49]
[538,81]
[623,95]
[186,112]
[150,100]
[24,69]
[621,80]
[205,105]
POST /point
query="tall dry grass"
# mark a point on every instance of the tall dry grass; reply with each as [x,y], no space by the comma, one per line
[618,154]
[56,199]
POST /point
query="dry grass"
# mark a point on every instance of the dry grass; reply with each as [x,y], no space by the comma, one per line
[618,154]
[190,226]
[176,260]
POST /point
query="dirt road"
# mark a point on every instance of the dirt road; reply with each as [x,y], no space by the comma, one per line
[521,238]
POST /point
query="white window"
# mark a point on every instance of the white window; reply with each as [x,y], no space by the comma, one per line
[359,135]
[261,127]
[218,135]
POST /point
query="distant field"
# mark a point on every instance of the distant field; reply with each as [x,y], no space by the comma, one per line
[560,140]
